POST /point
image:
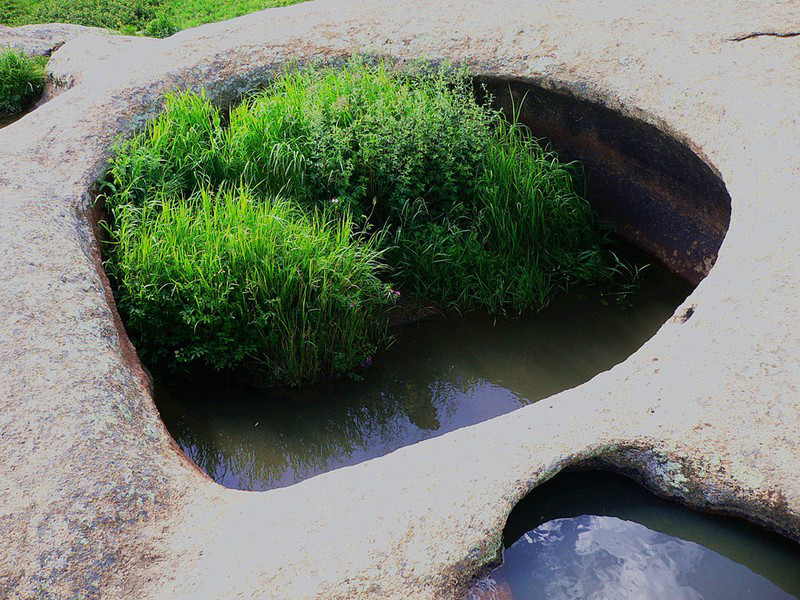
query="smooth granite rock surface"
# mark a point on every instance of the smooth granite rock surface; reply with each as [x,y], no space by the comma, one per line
[42,40]
[96,500]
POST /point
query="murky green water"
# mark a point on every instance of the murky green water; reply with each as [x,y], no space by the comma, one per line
[601,536]
[6,120]
[438,376]
[582,535]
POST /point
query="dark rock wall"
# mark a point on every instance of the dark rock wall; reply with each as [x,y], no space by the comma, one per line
[656,192]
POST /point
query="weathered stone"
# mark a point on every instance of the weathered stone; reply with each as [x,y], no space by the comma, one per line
[89,53]
[97,500]
[42,40]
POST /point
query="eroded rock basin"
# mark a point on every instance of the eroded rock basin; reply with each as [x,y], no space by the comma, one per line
[706,411]
[581,535]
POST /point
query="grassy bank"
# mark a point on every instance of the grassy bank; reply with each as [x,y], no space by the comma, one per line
[156,18]
[22,78]
[423,190]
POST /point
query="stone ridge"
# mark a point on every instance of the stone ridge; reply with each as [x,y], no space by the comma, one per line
[42,40]
[96,500]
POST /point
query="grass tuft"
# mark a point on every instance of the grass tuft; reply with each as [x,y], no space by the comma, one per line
[22,79]
[223,279]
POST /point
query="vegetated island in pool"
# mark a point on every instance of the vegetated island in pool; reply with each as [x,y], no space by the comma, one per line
[273,242]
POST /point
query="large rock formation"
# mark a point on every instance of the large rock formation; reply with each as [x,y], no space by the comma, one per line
[96,500]
[42,40]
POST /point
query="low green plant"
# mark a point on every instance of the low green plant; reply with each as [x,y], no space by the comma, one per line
[419,184]
[478,214]
[110,14]
[22,78]
[191,13]
[161,26]
[223,279]
[12,11]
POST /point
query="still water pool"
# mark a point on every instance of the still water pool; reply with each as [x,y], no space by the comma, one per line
[602,536]
[439,375]
[582,535]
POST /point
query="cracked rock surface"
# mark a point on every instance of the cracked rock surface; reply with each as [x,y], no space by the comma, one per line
[96,500]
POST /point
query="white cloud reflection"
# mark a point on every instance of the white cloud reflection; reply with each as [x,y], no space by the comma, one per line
[606,558]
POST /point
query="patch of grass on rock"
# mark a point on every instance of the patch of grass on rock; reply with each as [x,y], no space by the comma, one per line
[22,79]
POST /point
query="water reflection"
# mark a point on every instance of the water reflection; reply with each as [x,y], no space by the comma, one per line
[604,557]
[437,377]
[245,443]
[597,535]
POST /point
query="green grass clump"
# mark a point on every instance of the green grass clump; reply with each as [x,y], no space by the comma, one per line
[478,213]
[180,153]
[223,279]
[418,184]
[154,18]
[22,79]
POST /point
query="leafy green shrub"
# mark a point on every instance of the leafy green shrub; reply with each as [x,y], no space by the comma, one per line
[111,14]
[161,27]
[224,278]
[417,183]
[362,134]
[22,78]
[479,215]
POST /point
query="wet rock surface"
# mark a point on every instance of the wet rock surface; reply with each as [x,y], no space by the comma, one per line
[96,499]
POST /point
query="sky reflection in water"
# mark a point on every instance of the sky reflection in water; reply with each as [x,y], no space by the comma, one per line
[605,558]
[597,535]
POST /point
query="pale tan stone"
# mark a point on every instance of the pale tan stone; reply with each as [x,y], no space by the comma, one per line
[96,500]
